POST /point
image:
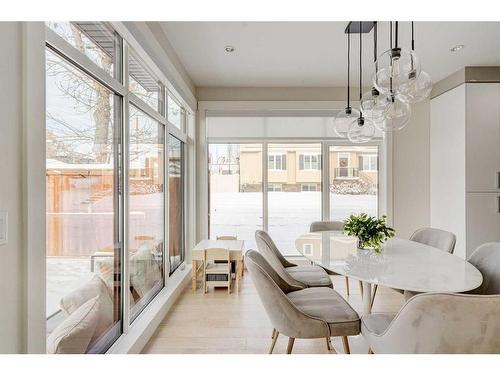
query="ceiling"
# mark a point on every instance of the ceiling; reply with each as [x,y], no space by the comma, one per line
[310,54]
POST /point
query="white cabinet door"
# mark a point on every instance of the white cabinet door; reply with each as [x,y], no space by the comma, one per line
[483,137]
[483,219]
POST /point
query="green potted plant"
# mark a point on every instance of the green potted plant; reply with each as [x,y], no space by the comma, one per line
[371,232]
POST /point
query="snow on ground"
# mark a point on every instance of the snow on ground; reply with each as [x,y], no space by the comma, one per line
[290,214]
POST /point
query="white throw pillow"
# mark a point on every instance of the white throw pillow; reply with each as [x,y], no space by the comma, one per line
[74,334]
[72,301]
[96,287]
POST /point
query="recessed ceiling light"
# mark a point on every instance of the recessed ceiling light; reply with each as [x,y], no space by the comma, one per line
[229,49]
[457,48]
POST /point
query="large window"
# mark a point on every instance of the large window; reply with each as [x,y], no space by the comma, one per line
[82,199]
[176,202]
[235,173]
[106,163]
[146,208]
[308,173]
[292,210]
[353,181]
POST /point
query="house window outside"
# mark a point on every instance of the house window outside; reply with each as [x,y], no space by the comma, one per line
[369,163]
[309,187]
[274,187]
[277,162]
[310,162]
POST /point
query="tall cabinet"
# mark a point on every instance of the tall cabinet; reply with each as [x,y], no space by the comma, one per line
[465,164]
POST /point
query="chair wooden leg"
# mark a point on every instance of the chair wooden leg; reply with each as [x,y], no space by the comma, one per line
[370,351]
[374,293]
[274,332]
[345,343]
[273,342]
[289,348]
[361,288]
[328,344]
[347,285]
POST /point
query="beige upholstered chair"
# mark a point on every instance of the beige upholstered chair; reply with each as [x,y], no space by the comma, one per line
[438,238]
[437,323]
[486,258]
[297,312]
[323,226]
[299,276]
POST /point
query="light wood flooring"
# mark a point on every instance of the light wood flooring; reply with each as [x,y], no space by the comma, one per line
[218,323]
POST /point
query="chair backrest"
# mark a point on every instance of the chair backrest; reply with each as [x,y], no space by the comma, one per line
[283,314]
[437,238]
[214,253]
[443,323]
[264,238]
[226,238]
[269,251]
[321,226]
[486,258]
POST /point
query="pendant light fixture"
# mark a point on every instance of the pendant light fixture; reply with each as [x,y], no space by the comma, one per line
[344,118]
[373,104]
[361,130]
[398,112]
[422,87]
[398,82]
[397,68]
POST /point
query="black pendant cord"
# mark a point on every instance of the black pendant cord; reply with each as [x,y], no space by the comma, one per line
[412,37]
[390,79]
[361,120]
[348,67]
[375,60]
[396,36]
[390,35]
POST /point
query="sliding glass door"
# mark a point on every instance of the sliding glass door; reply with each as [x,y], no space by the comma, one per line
[235,190]
[146,217]
[294,191]
[82,199]
[176,202]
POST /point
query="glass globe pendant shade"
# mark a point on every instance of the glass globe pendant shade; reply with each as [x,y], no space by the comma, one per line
[397,71]
[374,105]
[342,121]
[361,130]
[397,116]
[419,90]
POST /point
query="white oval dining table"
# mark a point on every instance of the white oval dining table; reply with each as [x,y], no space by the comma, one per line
[402,264]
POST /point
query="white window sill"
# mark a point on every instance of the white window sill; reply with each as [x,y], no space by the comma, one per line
[145,325]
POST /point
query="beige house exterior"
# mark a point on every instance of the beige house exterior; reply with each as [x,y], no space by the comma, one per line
[294,167]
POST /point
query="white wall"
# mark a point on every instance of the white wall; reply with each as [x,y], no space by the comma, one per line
[11,129]
[411,168]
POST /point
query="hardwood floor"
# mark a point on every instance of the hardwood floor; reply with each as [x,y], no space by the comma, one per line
[218,323]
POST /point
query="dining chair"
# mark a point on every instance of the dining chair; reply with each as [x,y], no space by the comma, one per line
[216,274]
[297,312]
[437,323]
[301,276]
[323,226]
[486,258]
[438,238]
[233,238]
